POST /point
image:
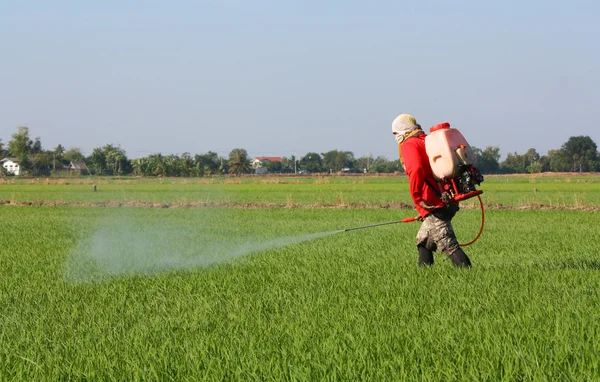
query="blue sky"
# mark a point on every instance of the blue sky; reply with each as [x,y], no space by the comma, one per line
[289,77]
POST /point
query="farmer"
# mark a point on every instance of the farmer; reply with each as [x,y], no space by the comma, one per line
[436,231]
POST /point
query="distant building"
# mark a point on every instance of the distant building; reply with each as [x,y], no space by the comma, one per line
[11,165]
[259,162]
[78,167]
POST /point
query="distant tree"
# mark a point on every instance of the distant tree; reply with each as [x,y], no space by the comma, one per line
[558,161]
[288,164]
[238,162]
[97,161]
[108,160]
[207,164]
[58,156]
[544,163]
[532,159]
[158,165]
[345,159]
[487,160]
[20,142]
[292,163]
[526,163]
[273,166]
[312,162]
[364,163]
[329,160]
[72,155]
[21,146]
[36,148]
[384,166]
[582,153]
[42,162]
[59,151]
[115,159]
[186,165]
[335,160]
[3,151]
[512,164]
[140,166]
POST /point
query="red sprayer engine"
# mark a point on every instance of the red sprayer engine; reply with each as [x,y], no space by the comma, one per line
[451,160]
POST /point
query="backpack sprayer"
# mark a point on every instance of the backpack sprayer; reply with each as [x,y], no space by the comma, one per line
[451,160]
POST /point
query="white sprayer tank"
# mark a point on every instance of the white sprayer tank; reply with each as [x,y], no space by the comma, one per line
[447,150]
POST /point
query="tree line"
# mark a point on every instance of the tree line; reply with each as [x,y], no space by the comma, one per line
[578,154]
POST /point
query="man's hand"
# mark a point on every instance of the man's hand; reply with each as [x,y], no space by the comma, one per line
[424,204]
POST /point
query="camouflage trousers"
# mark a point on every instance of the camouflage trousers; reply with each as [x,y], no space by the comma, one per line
[436,233]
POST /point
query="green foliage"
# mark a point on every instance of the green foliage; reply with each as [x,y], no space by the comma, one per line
[582,152]
[21,146]
[383,165]
[289,165]
[20,143]
[207,164]
[238,162]
[273,167]
[59,150]
[335,160]
[487,161]
[175,165]
[579,153]
[74,155]
[312,162]
[108,160]
[558,161]
[526,163]
[42,160]
[36,148]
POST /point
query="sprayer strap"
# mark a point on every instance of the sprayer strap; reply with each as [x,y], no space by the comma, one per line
[435,189]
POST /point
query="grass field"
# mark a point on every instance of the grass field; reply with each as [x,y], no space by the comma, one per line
[278,294]
[557,191]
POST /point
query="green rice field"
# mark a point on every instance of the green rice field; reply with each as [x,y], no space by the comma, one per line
[251,279]
[570,191]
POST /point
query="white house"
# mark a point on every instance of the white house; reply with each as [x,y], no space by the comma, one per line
[11,165]
[258,162]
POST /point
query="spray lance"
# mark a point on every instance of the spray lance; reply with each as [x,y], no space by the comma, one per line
[406,220]
[451,160]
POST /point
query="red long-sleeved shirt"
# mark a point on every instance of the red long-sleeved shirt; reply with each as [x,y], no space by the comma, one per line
[418,170]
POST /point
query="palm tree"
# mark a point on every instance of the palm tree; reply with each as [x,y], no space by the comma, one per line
[140,166]
[238,162]
[157,164]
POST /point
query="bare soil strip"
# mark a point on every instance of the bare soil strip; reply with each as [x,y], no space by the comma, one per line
[396,206]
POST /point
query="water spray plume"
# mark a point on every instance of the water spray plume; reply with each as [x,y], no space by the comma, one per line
[119,248]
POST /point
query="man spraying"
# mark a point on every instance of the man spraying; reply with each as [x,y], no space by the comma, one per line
[436,231]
